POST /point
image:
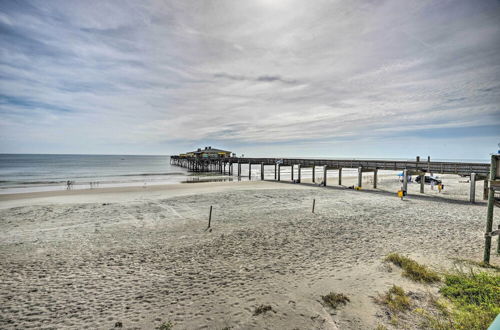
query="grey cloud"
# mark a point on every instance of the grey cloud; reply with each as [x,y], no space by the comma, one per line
[145,72]
[263,78]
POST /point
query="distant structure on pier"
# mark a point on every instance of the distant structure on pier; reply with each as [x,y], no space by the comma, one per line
[208,152]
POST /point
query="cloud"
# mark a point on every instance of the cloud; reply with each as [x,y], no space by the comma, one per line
[155,73]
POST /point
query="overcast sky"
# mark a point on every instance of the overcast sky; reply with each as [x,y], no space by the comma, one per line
[263,78]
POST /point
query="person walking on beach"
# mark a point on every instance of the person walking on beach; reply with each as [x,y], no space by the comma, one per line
[432,184]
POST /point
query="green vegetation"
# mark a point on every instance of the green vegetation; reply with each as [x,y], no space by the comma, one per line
[413,269]
[334,300]
[395,299]
[167,325]
[262,309]
[475,298]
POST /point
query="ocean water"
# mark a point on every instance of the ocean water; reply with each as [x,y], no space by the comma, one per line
[27,173]
[33,172]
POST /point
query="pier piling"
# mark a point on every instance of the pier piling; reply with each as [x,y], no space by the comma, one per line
[472,191]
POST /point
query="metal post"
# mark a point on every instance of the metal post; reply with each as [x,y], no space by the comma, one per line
[298,173]
[340,176]
[405,180]
[422,183]
[375,172]
[489,214]
[324,175]
[279,172]
[262,171]
[472,191]
[360,176]
[313,174]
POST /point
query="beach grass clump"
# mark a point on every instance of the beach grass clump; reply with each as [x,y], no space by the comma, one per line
[334,300]
[262,309]
[167,325]
[395,299]
[413,269]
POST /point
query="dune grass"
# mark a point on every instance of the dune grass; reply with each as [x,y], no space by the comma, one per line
[262,309]
[334,300]
[413,269]
[395,299]
[475,298]
[468,299]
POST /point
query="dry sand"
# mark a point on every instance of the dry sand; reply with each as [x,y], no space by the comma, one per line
[142,256]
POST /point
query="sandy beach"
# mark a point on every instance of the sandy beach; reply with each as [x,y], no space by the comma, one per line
[139,257]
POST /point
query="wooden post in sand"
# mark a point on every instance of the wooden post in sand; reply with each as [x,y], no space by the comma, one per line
[360,176]
[491,204]
[314,204]
[262,171]
[249,171]
[313,174]
[279,171]
[375,171]
[291,170]
[239,170]
[210,217]
[422,183]
[472,190]
[324,175]
[298,173]
[340,176]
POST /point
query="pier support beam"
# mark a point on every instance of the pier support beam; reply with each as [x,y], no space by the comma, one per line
[298,173]
[472,192]
[340,176]
[485,189]
[279,172]
[324,175]
[405,180]
[375,172]
[262,171]
[314,174]
[422,183]
[360,177]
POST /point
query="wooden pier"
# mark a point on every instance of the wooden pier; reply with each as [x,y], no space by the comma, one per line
[226,166]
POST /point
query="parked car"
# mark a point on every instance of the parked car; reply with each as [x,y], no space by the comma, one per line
[428,179]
